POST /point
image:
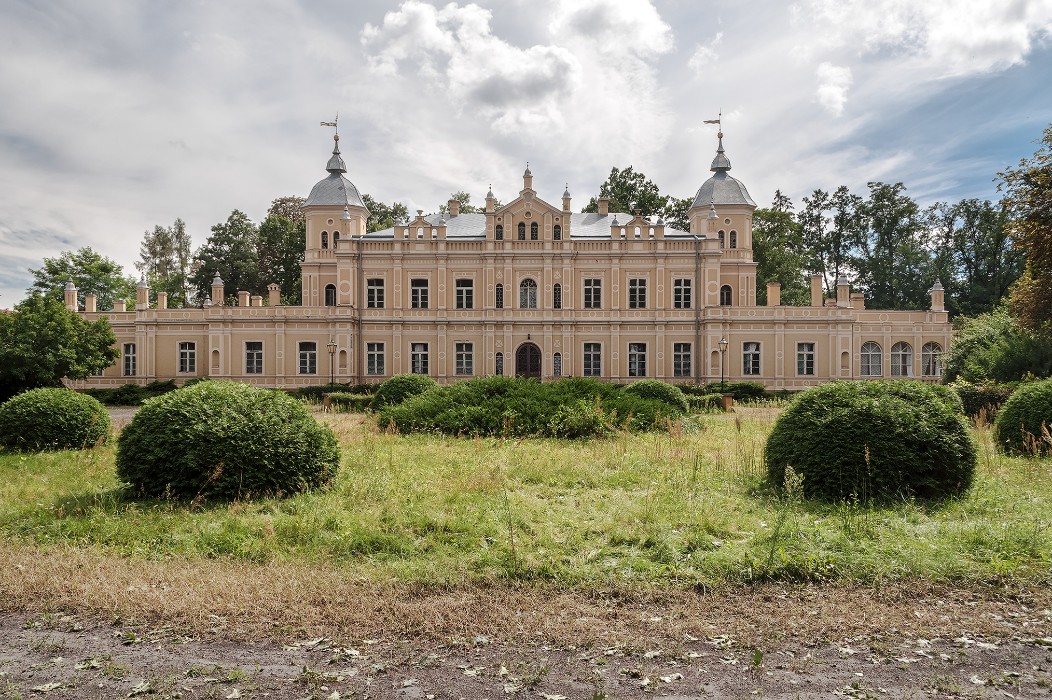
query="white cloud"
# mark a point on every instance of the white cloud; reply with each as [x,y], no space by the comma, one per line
[833,84]
[704,54]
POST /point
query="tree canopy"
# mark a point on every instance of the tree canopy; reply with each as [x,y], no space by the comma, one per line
[91,273]
[631,191]
[164,260]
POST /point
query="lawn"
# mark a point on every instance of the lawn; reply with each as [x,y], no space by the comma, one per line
[680,510]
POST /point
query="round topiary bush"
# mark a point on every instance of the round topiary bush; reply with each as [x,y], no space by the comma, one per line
[870,440]
[654,389]
[225,440]
[399,388]
[53,419]
[1024,423]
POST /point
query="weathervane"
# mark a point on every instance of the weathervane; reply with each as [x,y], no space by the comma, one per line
[716,120]
[333,124]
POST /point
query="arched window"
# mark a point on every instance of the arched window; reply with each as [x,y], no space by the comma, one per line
[533,231]
[498,300]
[734,239]
[500,232]
[527,294]
[557,296]
[522,231]
[335,240]
[498,365]
[931,360]
[872,361]
[419,233]
[557,233]
[720,235]
[726,295]
[901,359]
[324,239]
[557,364]
[330,295]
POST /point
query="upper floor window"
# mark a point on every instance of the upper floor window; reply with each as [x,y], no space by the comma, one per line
[557,296]
[522,231]
[308,358]
[734,239]
[129,360]
[418,294]
[527,294]
[931,360]
[324,239]
[498,296]
[254,357]
[374,294]
[726,295]
[751,358]
[330,295]
[637,293]
[721,235]
[593,293]
[187,358]
[465,294]
[557,233]
[901,360]
[335,240]
[499,232]
[872,360]
[681,292]
[533,231]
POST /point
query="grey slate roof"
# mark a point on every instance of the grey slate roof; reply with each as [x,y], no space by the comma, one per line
[473,227]
[721,188]
[335,190]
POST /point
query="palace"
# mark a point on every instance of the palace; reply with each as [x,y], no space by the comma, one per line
[529,288]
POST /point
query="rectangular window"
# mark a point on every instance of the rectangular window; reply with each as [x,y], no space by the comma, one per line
[637,294]
[418,294]
[465,358]
[374,358]
[308,358]
[254,357]
[465,294]
[751,359]
[593,294]
[129,359]
[188,358]
[592,359]
[681,293]
[637,359]
[374,294]
[681,360]
[418,358]
[805,359]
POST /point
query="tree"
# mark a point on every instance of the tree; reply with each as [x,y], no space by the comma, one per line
[1028,201]
[290,207]
[42,342]
[676,213]
[630,191]
[832,226]
[466,207]
[280,252]
[777,250]
[382,216]
[894,267]
[232,252]
[91,273]
[164,260]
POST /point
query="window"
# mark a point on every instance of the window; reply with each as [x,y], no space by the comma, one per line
[681,360]
[751,358]
[498,364]
[335,240]
[129,359]
[500,232]
[592,359]
[637,359]
[871,365]
[418,358]
[681,289]
[330,295]
[465,358]
[522,231]
[498,300]
[374,294]
[465,294]
[557,233]
[557,364]
[254,357]
[374,358]
[324,239]
[637,293]
[805,359]
[593,294]
[533,231]
[721,235]
[527,294]
[726,295]
[188,358]
[308,358]
[734,239]
[418,294]
[901,360]
[557,296]
[931,360]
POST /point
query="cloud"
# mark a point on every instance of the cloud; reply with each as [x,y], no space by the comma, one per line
[627,27]
[833,84]
[704,54]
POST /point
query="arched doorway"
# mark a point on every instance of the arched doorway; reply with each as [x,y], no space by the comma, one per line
[528,361]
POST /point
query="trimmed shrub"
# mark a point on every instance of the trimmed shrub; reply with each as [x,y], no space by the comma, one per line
[1024,423]
[976,398]
[707,403]
[346,401]
[400,387]
[867,440]
[949,397]
[743,391]
[222,439]
[654,389]
[52,419]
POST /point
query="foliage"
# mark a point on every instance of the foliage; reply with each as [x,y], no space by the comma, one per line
[705,403]
[231,251]
[1024,423]
[225,440]
[164,260]
[131,394]
[280,247]
[1028,200]
[400,387]
[630,191]
[466,207]
[655,389]
[872,440]
[993,347]
[383,216]
[893,264]
[42,342]
[981,398]
[314,392]
[91,273]
[52,419]
[778,254]
[347,401]
[831,227]
[290,207]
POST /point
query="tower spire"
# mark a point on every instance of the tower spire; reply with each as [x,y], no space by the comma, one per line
[335,164]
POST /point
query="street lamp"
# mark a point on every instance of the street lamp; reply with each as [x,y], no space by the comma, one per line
[332,365]
[723,349]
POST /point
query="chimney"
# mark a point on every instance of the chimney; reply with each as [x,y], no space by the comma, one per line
[90,303]
[256,300]
[604,206]
[774,293]
[858,300]
[938,300]
[454,208]
[142,295]
[69,295]
[816,291]
[273,295]
[217,290]
[162,300]
[843,292]
[120,305]
[242,298]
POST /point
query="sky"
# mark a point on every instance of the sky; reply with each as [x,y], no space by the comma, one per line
[120,115]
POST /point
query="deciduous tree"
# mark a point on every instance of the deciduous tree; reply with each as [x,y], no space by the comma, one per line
[164,259]
[91,273]
[778,252]
[232,251]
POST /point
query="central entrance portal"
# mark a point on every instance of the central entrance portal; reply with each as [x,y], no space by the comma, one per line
[528,361]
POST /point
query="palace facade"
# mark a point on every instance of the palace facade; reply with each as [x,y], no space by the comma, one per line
[529,288]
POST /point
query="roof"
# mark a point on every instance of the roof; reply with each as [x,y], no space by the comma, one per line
[722,189]
[583,226]
[335,190]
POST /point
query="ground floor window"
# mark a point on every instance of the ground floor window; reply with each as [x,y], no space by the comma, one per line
[418,358]
[308,358]
[129,360]
[637,359]
[498,364]
[901,360]
[681,360]
[592,360]
[374,358]
[188,358]
[751,359]
[805,359]
[871,360]
[931,360]
[254,357]
[557,364]
[465,358]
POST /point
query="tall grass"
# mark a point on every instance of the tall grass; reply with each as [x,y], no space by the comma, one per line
[683,508]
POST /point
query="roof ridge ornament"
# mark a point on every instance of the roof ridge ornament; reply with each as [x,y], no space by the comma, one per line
[335,164]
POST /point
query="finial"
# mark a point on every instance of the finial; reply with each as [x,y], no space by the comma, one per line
[489,193]
[566,192]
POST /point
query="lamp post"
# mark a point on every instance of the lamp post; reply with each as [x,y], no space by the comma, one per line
[723,349]
[332,357]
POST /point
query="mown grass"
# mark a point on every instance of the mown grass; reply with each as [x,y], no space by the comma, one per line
[682,509]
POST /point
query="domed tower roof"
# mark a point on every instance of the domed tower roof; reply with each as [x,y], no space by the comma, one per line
[335,190]
[721,188]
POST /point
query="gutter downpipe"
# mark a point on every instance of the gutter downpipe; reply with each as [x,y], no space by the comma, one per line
[697,310]
[361,300]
